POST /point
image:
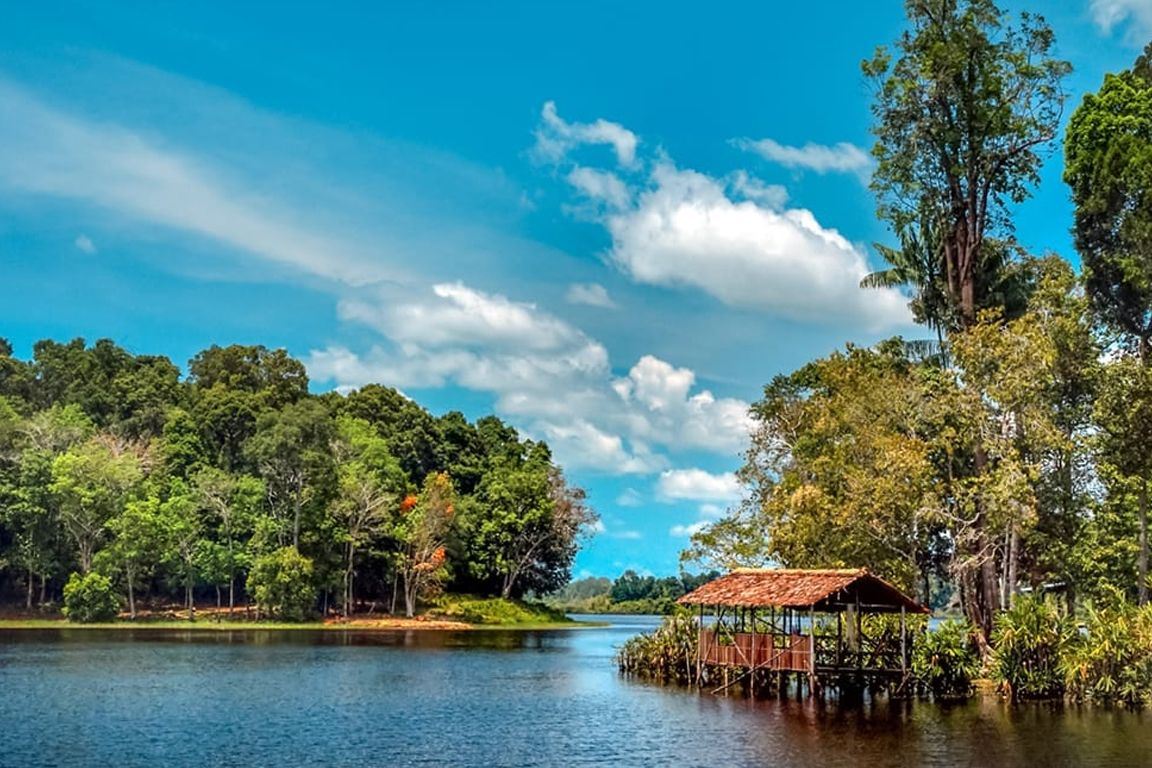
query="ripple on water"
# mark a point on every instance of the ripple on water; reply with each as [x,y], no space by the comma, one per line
[471,699]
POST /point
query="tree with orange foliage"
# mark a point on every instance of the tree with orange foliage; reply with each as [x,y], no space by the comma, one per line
[422,528]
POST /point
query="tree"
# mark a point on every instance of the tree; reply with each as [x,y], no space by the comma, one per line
[139,542]
[1108,165]
[422,528]
[961,116]
[292,450]
[89,598]
[180,515]
[370,483]
[91,482]
[281,583]
[234,501]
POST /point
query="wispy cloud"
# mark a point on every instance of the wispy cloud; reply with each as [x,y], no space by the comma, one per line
[555,136]
[1110,15]
[54,153]
[85,244]
[821,158]
[590,295]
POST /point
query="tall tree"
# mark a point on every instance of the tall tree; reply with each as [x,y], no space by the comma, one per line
[92,481]
[370,485]
[1108,165]
[962,113]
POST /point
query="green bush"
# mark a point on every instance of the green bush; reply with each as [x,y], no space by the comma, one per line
[1111,661]
[90,598]
[1030,641]
[945,662]
[282,585]
[496,611]
[667,655]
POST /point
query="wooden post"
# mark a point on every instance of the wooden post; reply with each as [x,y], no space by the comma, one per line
[811,652]
[903,645]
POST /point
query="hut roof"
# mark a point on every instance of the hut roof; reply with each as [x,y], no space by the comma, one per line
[822,590]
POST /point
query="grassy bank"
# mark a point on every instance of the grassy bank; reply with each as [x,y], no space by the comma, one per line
[451,612]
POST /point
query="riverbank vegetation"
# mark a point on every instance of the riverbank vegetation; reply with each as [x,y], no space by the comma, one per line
[124,485]
[1000,467]
[629,593]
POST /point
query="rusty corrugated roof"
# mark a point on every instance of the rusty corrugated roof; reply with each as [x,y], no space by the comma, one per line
[798,588]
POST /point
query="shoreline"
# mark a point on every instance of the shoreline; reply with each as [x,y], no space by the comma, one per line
[391,624]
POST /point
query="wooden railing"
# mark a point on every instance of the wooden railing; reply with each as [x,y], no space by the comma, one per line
[789,653]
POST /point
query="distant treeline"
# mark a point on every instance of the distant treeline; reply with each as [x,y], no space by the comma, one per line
[628,593]
[235,483]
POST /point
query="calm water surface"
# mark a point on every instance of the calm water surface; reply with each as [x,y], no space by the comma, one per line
[169,698]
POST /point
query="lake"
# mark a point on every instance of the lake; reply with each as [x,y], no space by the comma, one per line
[548,698]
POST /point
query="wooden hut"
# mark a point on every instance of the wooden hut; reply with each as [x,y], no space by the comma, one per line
[781,621]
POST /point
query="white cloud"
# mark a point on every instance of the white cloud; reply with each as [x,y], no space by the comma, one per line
[685,231]
[751,188]
[53,153]
[842,157]
[629,497]
[627,535]
[682,531]
[712,511]
[556,137]
[600,186]
[697,485]
[589,294]
[1111,14]
[85,244]
[548,375]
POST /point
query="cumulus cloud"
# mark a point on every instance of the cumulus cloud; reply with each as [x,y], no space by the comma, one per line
[697,485]
[556,137]
[1113,14]
[85,244]
[590,295]
[686,231]
[842,157]
[732,237]
[550,376]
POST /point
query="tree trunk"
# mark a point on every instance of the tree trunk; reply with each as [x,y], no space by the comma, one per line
[43,588]
[1013,566]
[131,594]
[28,596]
[409,596]
[231,593]
[348,576]
[1142,565]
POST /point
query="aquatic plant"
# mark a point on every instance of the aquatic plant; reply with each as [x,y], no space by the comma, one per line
[944,661]
[1110,662]
[1030,640]
[668,654]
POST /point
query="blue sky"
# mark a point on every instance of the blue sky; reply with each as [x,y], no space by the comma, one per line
[609,223]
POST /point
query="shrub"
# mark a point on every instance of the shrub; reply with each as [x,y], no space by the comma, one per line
[667,655]
[1111,662]
[944,661]
[90,598]
[281,583]
[1030,640]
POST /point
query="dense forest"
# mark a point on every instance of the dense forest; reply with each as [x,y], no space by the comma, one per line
[1009,452]
[124,482]
[629,592]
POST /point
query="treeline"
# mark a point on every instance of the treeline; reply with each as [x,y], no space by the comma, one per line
[628,593]
[1010,453]
[234,483]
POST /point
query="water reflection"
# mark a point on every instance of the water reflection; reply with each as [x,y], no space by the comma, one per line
[541,698]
